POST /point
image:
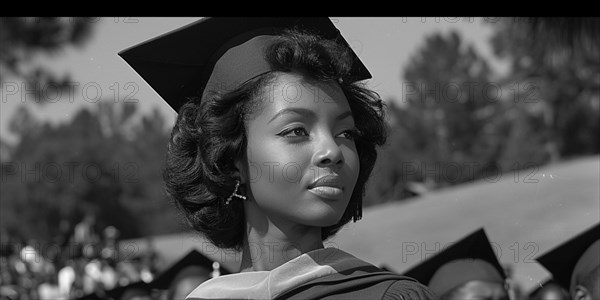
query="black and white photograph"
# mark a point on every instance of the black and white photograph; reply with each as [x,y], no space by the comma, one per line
[397,157]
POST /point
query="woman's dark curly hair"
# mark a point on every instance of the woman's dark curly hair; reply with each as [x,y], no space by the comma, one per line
[209,135]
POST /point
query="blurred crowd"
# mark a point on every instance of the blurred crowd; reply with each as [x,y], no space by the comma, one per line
[87,263]
[82,261]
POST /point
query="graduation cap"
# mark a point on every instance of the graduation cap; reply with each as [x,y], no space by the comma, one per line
[193,260]
[471,258]
[571,261]
[385,267]
[219,54]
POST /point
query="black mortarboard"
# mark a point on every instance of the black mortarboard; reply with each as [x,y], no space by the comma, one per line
[218,52]
[572,260]
[471,258]
[192,258]
[387,268]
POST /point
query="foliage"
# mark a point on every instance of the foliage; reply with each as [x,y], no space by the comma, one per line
[458,121]
[22,39]
[441,135]
[103,162]
[562,119]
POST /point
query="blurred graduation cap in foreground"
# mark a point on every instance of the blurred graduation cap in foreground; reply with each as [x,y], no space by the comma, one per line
[218,53]
[186,274]
[471,258]
[175,282]
[572,261]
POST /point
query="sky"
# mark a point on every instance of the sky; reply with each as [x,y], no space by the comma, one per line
[384,44]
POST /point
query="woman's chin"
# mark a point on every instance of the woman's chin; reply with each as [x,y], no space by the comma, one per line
[322,219]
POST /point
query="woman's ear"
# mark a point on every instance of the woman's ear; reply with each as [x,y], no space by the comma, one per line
[241,170]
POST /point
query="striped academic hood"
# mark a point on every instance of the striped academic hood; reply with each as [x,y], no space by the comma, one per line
[321,273]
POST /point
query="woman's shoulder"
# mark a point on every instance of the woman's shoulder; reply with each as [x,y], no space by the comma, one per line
[358,279]
[361,284]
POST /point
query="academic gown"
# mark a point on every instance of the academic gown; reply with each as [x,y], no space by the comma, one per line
[327,273]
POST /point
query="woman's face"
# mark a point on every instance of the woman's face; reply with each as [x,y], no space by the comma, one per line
[480,290]
[553,292]
[302,133]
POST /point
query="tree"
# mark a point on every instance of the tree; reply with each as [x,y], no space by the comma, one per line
[101,162]
[564,32]
[555,58]
[445,133]
[21,39]
[106,161]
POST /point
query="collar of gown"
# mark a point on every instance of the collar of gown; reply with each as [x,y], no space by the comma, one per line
[270,284]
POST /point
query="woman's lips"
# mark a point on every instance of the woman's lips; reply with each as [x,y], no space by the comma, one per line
[329,192]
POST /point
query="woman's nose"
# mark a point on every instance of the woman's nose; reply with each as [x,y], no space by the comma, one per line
[328,154]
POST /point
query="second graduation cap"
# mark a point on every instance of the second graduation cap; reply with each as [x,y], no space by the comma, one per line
[471,258]
[219,53]
[192,259]
[183,276]
[570,262]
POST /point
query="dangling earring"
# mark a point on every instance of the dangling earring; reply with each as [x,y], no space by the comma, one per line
[237,185]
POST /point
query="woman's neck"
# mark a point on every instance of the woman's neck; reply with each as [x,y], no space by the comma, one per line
[270,243]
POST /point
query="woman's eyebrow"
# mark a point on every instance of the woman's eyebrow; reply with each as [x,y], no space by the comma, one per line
[301,111]
[307,113]
[344,115]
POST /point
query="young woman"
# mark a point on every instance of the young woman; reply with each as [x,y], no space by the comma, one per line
[273,158]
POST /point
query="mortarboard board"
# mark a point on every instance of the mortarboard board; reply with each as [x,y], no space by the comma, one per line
[192,258]
[471,258]
[387,268]
[218,52]
[572,260]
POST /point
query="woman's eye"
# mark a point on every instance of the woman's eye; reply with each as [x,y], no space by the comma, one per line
[299,131]
[350,134]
